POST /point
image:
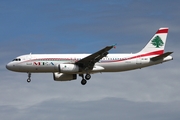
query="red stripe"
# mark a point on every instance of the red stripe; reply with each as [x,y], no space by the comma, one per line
[165,30]
[153,53]
[141,55]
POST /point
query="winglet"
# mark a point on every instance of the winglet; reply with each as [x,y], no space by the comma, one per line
[114,46]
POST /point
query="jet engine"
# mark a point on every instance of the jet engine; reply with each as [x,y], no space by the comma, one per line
[64,77]
[68,68]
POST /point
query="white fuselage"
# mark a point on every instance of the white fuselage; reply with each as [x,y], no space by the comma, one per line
[39,63]
[65,67]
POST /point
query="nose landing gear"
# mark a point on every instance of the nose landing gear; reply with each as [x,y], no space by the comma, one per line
[29,78]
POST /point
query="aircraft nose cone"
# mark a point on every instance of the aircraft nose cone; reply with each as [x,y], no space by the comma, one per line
[12,67]
[9,66]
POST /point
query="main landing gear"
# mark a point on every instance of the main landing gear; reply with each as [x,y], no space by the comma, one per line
[29,78]
[87,77]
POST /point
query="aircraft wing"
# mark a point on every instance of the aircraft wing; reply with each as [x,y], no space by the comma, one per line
[88,62]
[161,56]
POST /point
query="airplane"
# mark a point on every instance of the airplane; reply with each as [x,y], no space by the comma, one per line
[66,67]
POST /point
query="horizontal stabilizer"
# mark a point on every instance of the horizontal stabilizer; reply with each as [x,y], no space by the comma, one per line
[161,56]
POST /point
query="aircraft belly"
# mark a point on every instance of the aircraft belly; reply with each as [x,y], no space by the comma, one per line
[118,66]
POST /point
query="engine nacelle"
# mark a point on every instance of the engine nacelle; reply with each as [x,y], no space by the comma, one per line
[68,68]
[64,77]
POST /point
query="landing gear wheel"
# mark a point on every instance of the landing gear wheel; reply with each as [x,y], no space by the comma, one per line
[83,81]
[88,76]
[28,80]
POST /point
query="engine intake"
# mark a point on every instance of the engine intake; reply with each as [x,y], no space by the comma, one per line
[68,68]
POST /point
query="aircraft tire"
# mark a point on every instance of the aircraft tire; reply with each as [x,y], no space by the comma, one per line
[83,81]
[88,76]
[28,80]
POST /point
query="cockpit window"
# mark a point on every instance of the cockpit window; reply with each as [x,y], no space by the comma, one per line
[17,59]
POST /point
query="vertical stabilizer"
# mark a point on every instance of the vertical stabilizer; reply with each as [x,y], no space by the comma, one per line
[157,43]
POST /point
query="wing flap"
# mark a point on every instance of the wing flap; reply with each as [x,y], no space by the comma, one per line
[161,56]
